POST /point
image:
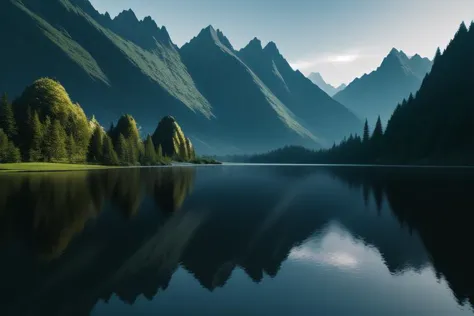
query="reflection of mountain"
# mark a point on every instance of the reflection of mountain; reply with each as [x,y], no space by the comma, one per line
[245,217]
[109,255]
[436,203]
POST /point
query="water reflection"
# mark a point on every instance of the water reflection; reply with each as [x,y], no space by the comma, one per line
[71,240]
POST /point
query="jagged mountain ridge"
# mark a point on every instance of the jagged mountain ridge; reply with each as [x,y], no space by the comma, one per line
[316,109]
[113,66]
[379,92]
[244,111]
[318,80]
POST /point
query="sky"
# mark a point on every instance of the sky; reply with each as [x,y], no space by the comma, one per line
[341,39]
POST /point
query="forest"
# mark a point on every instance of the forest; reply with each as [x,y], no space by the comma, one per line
[44,125]
[432,127]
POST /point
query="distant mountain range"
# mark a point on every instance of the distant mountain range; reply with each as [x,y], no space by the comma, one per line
[228,101]
[318,80]
[379,92]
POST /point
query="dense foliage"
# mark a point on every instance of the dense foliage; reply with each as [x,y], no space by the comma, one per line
[170,138]
[44,125]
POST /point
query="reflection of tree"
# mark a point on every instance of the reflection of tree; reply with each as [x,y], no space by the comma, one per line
[437,203]
[118,254]
[9,188]
[244,226]
[127,193]
[61,205]
[170,186]
[49,209]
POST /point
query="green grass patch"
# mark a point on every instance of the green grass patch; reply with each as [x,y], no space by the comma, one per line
[43,166]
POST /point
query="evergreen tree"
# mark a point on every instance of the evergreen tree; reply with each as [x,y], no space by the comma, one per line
[109,156]
[111,129]
[366,136]
[437,55]
[3,145]
[96,145]
[55,142]
[71,148]
[8,151]
[123,150]
[7,118]
[13,153]
[35,150]
[159,153]
[150,154]
[377,139]
[134,152]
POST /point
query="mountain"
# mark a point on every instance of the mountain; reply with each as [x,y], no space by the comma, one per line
[318,80]
[110,66]
[113,66]
[241,101]
[379,92]
[324,117]
[435,125]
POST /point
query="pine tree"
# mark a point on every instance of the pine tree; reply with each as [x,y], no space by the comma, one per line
[133,151]
[110,131]
[3,145]
[150,153]
[366,136]
[96,145]
[35,151]
[377,139]
[8,151]
[55,142]
[437,55]
[7,118]
[159,153]
[123,150]
[13,153]
[71,148]
[109,156]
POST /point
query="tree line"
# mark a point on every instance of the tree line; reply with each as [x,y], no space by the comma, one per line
[434,126]
[44,125]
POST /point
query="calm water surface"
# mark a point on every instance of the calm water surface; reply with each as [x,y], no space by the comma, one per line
[238,240]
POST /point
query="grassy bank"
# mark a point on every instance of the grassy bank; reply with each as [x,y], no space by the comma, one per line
[43,166]
[51,167]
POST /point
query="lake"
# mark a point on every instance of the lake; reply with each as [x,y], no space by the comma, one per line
[238,240]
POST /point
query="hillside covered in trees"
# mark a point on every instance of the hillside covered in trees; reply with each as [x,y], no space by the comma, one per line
[434,126]
[44,125]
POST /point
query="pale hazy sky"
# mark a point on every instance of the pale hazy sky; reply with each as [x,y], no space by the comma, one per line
[342,39]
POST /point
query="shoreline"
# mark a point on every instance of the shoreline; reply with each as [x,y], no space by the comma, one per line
[64,167]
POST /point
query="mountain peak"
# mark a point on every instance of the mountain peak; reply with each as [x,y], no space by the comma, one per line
[209,28]
[209,33]
[272,48]
[255,44]
[126,16]
[394,51]
[316,76]
[150,23]
[224,40]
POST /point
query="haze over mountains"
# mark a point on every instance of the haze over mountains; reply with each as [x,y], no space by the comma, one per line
[229,101]
[379,92]
[318,80]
